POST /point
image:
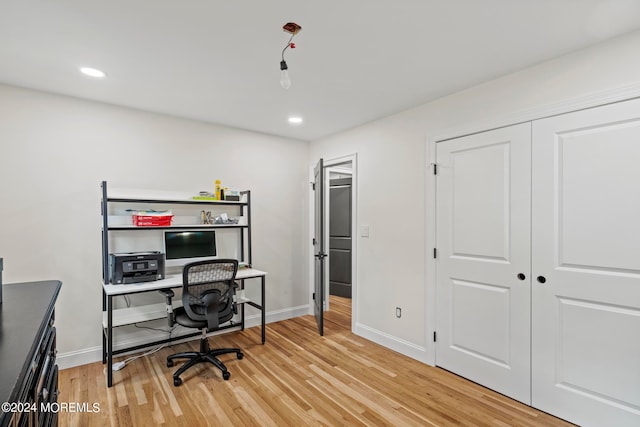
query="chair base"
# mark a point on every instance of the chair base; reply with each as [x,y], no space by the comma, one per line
[204,355]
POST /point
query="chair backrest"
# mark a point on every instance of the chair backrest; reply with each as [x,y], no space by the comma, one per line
[207,290]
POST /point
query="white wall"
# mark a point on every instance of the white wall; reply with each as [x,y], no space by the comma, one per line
[56,151]
[393,266]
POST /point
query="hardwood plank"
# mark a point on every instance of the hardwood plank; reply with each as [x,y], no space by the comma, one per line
[296,379]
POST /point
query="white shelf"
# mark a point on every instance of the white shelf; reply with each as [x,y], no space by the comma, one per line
[243,300]
[177,226]
[169,282]
[136,195]
[145,313]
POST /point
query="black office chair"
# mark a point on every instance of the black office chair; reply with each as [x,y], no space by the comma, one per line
[208,289]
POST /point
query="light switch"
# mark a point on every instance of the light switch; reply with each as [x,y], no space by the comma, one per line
[364,231]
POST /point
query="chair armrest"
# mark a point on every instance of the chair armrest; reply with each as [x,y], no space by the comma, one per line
[168,295]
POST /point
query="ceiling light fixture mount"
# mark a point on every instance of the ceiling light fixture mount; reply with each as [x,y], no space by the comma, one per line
[293,29]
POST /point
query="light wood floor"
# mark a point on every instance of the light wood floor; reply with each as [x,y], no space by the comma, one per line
[296,379]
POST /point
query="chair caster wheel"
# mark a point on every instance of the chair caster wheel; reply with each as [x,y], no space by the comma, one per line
[169,363]
[177,382]
[226,375]
[240,355]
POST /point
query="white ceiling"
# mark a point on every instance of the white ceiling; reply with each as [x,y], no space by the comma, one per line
[355,60]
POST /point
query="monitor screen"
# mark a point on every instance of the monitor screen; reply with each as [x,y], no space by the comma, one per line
[183,247]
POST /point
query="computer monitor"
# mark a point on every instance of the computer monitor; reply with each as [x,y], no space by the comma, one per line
[185,246]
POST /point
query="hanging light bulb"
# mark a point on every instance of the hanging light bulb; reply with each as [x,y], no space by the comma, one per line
[285,80]
[293,29]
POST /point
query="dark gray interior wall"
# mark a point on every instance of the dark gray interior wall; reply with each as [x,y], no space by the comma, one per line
[340,235]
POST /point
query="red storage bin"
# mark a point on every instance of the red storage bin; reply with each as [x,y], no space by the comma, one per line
[152,220]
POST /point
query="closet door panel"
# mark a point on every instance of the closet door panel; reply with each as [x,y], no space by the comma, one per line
[483,239]
[586,244]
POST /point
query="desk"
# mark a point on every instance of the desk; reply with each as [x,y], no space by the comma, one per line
[28,369]
[119,317]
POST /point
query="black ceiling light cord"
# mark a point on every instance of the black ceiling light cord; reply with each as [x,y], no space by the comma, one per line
[283,63]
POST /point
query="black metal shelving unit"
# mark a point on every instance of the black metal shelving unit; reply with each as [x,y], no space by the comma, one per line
[106,201]
[245,212]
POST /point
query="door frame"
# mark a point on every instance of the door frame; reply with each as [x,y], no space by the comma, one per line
[565,106]
[333,163]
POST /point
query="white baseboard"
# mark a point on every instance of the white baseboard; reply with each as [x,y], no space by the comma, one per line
[94,354]
[394,343]
[276,316]
[79,357]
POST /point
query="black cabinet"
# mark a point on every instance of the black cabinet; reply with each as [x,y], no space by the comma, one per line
[28,369]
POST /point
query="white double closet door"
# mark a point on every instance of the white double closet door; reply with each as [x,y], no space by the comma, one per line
[538,272]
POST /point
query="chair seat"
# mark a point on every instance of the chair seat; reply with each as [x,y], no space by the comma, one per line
[184,320]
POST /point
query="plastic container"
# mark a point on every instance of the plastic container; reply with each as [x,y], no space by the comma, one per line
[218,190]
[151,220]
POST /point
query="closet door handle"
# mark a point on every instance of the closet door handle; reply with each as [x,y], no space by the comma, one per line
[521,276]
[541,279]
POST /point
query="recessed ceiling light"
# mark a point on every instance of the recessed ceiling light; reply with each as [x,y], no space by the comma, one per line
[295,120]
[93,72]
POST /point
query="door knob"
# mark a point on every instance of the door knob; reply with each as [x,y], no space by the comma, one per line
[521,276]
[541,279]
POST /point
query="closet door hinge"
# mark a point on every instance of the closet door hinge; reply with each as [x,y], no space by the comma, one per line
[435,169]
[434,336]
[435,253]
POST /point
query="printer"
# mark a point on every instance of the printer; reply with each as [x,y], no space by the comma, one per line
[136,267]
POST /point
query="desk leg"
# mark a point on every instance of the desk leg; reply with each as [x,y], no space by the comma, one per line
[242,307]
[104,346]
[109,341]
[263,310]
